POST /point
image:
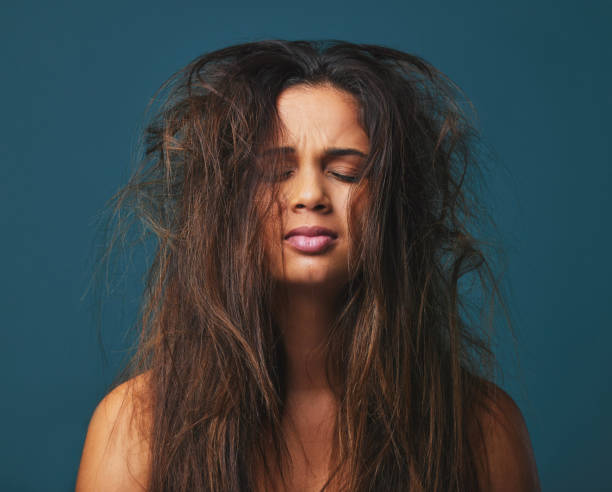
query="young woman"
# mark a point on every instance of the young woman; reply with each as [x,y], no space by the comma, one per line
[304,324]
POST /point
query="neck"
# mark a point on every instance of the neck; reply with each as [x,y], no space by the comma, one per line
[305,317]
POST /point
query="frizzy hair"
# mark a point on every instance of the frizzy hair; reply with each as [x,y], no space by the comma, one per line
[411,363]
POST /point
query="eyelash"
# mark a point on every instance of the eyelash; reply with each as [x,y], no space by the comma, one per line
[342,177]
[345,177]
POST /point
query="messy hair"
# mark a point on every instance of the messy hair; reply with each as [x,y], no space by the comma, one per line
[411,356]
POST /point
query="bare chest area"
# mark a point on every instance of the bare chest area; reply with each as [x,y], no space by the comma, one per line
[308,428]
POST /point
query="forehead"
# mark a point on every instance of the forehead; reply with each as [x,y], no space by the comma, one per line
[322,114]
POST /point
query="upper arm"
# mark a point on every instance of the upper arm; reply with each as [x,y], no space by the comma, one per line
[507,453]
[116,453]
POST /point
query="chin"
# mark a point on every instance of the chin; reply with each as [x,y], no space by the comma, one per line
[313,278]
[321,271]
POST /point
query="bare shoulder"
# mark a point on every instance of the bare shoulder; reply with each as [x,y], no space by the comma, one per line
[116,453]
[508,454]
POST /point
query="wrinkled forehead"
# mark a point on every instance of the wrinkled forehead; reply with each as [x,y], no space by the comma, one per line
[319,116]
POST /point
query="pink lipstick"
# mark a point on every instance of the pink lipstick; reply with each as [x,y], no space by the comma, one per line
[311,239]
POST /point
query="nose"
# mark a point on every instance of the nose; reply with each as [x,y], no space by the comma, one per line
[308,191]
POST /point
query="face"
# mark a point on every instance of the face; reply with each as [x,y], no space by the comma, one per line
[322,151]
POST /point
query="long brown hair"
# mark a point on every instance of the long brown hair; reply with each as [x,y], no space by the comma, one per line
[411,357]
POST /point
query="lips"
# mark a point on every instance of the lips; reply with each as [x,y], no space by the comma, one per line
[311,231]
[311,239]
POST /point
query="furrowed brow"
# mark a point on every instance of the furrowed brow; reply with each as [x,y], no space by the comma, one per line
[329,152]
[339,152]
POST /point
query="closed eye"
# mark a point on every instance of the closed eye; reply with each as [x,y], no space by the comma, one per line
[345,177]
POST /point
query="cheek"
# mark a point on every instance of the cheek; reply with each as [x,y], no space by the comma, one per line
[272,226]
[357,217]
[268,212]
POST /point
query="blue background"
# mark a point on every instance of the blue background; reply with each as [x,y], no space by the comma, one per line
[76,78]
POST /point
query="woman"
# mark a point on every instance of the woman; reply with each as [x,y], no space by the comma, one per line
[304,325]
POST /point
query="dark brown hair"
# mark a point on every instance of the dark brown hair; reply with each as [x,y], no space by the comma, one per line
[411,357]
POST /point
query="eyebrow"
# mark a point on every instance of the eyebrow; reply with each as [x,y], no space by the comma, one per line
[329,152]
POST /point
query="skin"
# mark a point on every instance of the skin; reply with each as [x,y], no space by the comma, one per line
[315,191]
[316,119]
[315,182]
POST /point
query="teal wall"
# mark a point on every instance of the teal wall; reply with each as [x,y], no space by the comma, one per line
[76,78]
